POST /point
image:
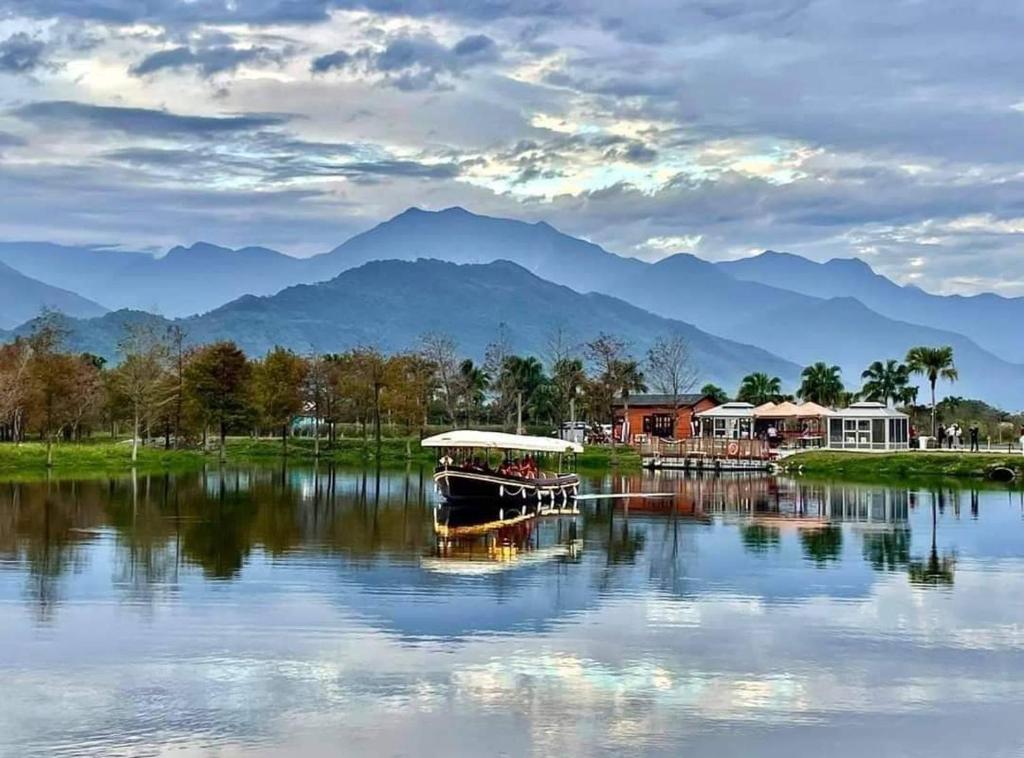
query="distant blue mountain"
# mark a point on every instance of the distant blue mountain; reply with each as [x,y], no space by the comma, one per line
[22,298]
[182,282]
[995,323]
[390,304]
[846,332]
[761,300]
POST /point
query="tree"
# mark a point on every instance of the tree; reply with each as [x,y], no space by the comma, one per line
[216,380]
[15,366]
[885,381]
[759,388]
[628,379]
[277,382]
[141,377]
[495,355]
[316,394]
[671,369]
[439,349]
[935,363]
[567,382]
[50,376]
[86,397]
[370,371]
[605,353]
[523,377]
[473,384]
[716,393]
[411,383]
[821,384]
[178,356]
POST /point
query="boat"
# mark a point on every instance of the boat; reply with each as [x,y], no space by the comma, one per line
[464,472]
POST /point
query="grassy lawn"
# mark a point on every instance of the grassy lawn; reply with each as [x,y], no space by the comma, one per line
[92,457]
[105,456]
[903,465]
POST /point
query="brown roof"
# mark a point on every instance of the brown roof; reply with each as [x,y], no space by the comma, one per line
[660,401]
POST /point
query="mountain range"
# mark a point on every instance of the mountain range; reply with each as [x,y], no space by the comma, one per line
[840,311]
[22,298]
[391,304]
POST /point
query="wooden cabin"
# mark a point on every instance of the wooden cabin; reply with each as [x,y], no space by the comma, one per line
[658,416]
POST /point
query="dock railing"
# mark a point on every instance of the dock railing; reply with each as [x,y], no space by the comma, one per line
[707,447]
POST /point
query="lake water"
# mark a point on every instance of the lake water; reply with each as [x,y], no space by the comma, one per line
[274,612]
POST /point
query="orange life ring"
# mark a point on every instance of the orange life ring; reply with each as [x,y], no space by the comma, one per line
[733,448]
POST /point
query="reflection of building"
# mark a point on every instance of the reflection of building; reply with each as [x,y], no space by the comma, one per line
[658,416]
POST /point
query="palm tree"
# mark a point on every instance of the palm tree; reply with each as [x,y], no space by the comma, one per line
[908,395]
[628,378]
[935,363]
[759,388]
[715,392]
[821,384]
[885,381]
[473,383]
[523,377]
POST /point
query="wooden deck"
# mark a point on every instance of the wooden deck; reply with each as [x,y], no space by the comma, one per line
[708,454]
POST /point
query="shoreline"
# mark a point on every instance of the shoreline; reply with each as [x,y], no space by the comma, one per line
[106,457]
[904,464]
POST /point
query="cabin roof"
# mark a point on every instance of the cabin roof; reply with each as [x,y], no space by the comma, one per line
[729,410]
[869,410]
[471,438]
[660,401]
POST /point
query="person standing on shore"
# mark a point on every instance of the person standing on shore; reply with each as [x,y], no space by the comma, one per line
[974,438]
[941,435]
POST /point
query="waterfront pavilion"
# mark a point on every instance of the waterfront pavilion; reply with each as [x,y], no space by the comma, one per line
[868,426]
[727,421]
[804,423]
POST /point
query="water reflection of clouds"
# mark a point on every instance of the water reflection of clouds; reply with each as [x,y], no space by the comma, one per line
[339,629]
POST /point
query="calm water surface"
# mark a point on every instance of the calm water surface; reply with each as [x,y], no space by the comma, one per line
[272,612]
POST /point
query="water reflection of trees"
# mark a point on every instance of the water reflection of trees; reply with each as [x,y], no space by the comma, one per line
[46,527]
[760,538]
[935,569]
[887,550]
[213,521]
[822,544]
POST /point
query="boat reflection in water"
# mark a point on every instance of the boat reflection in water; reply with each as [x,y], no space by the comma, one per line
[481,538]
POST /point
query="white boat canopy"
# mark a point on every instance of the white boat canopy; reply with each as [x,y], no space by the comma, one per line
[469,438]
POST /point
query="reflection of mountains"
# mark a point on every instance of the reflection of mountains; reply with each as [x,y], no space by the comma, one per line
[378,531]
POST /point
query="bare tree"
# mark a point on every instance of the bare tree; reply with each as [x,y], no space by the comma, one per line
[496,357]
[178,356]
[316,393]
[440,350]
[672,370]
[559,346]
[15,364]
[142,376]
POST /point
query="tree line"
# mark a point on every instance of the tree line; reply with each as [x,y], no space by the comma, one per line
[887,382]
[164,390]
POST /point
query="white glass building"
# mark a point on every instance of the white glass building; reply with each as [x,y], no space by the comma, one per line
[868,426]
[727,421]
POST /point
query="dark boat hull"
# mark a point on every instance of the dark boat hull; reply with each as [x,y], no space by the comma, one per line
[465,487]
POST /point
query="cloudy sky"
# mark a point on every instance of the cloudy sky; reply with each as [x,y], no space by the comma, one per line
[892,130]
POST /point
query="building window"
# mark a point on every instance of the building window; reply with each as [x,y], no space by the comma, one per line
[662,425]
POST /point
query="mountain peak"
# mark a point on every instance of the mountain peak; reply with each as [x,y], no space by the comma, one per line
[197,249]
[853,265]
